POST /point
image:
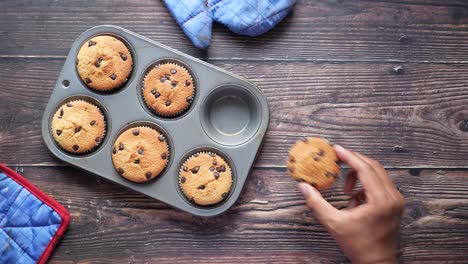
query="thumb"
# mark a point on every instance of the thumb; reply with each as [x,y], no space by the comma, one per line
[324,211]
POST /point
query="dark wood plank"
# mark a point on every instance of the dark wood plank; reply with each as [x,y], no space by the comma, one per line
[270,223]
[316,30]
[414,119]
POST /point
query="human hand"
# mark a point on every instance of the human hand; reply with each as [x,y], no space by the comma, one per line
[366,231]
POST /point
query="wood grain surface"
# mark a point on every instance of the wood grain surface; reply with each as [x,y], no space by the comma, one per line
[388,78]
[269,224]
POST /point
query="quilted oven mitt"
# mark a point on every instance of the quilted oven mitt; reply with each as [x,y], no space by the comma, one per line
[31,223]
[244,17]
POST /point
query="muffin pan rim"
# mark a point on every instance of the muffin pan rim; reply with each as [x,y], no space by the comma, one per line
[242,156]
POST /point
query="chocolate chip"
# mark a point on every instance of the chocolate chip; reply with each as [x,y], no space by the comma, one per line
[136,132]
[314,185]
[164,156]
[163,79]
[168,103]
[189,99]
[114,150]
[201,187]
[121,146]
[195,170]
[212,168]
[291,170]
[215,162]
[224,195]
[140,151]
[77,129]
[113,76]
[173,71]
[196,155]
[97,139]
[337,162]
[121,171]
[182,179]
[88,80]
[123,56]
[98,63]
[92,123]
[161,138]
[157,94]
[148,175]
[174,83]
[69,105]
[61,112]
[316,158]
[291,159]
[221,168]
[137,161]
[187,83]
[211,154]
[91,43]
[59,132]
[216,175]
[321,152]
[328,174]
[184,168]
[192,200]
[154,91]
[76,147]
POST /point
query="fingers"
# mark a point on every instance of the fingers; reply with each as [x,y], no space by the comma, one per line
[324,211]
[350,182]
[381,173]
[364,171]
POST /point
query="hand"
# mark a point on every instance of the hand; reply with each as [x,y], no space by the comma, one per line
[366,231]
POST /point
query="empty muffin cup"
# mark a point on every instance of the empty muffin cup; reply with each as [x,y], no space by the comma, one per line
[231,115]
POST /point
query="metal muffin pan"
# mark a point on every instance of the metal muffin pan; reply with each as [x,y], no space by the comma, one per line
[229,115]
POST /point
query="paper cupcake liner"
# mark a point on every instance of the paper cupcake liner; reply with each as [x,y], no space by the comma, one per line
[168,152]
[97,143]
[194,156]
[177,113]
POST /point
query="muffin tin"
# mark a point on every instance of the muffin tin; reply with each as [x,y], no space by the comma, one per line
[229,116]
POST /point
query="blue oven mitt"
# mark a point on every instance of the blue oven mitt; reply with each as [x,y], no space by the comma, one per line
[31,223]
[244,17]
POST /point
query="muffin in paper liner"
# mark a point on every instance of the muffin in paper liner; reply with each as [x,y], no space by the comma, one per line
[104,63]
[78,126]
[168,89]
[205,178]
[140,154]
[314,161]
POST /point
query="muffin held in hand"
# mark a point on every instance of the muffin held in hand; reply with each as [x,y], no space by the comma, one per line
[168,89]
[78,126]
[140,154]
[104,63]
[205,178]
[314,161]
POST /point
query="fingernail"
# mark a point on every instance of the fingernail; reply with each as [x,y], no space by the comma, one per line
[338,148]
[304,189]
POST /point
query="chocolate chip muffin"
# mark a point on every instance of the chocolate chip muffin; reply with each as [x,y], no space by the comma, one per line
[78,126]
[140,154]
[168,89]
[314,161]
[104,63]
[205,178]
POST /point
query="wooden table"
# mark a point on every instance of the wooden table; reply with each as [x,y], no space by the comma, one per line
[387,78]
